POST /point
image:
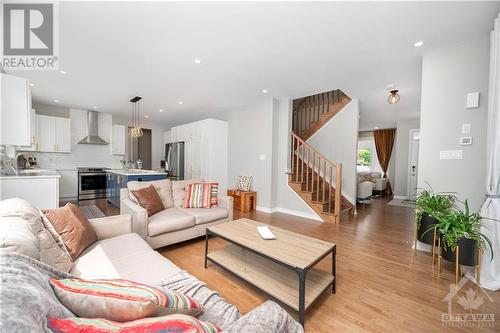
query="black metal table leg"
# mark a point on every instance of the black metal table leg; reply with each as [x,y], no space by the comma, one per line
[206,249]
[302,295]
[334,268]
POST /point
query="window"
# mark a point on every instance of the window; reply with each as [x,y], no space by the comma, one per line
[364,160]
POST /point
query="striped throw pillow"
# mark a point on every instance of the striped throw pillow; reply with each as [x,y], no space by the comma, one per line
[197,196]
[121,300]
[172,323]
[214,189]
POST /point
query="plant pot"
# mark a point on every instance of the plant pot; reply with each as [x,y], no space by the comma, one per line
[467,252]
[426,222]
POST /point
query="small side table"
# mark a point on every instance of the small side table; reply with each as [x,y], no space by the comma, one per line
[243,201]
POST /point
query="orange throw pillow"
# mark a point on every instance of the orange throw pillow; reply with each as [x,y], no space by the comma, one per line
[149,199]
[73,227]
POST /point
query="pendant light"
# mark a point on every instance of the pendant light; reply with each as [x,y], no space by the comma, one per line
[136,130]
[393,97]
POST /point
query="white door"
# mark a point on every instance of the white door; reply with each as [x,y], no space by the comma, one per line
[63,135]
[413,163]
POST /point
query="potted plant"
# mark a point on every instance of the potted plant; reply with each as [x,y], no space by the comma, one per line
[463,229]
[429,206]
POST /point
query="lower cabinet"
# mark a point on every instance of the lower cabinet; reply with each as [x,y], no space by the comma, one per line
[115,182]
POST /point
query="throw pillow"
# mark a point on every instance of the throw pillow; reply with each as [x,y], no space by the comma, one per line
[163,187]
[198,195]
[172,323]
[73,228]
[179,190]
[149,199]
[121,300]
[213,194]
[244,183]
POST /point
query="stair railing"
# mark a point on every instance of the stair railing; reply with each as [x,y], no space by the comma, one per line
[320,174]
[312,107]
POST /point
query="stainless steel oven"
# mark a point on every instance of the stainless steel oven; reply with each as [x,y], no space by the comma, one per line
[91,183]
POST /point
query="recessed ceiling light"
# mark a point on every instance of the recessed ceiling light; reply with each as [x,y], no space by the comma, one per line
[32,84]
[180,102]
[56,101]
[376,127]
[161,110]
[63,72]
[146,116]
[418,43]
[264,91]
[95,107]
[197,61]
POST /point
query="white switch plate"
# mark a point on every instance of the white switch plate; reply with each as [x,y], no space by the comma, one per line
[451,154]
[465,128]
[472,100]
[262,157]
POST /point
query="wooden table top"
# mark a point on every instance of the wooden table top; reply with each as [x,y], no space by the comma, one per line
[291,248]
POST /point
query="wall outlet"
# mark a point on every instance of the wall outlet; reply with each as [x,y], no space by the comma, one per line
[465,128]
[472,100]
[451,154]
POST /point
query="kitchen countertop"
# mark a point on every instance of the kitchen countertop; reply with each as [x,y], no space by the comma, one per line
[34,174]
[122,172]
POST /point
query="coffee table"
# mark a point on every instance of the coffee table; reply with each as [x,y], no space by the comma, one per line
[283,267]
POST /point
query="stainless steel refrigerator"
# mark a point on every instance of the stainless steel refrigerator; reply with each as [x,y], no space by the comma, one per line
[174,160]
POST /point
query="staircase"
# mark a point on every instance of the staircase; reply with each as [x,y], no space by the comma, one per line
[313,177]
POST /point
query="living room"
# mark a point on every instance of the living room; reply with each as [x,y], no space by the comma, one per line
[249,166]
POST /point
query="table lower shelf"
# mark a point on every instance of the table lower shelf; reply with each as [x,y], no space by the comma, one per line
[278,281]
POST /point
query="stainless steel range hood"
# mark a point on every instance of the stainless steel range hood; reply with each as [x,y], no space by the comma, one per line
[92,137]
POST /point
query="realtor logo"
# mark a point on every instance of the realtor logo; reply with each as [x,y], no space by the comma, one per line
[30,36]
[471,302]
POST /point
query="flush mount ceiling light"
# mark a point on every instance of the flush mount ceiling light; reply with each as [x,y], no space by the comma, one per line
[393,97]
[56,101]
[264,91]
[146,116]
[418,43]
[136,130]
[180,102]
[32,84]
[95,107]
[63,72]
[161,110]
[197,61]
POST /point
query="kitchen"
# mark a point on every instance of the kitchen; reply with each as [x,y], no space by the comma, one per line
[52,153]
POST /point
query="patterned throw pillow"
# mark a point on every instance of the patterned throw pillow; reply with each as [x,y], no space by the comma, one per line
[198,195]
[214,189]
[172,323]
[244,183]
[121,300]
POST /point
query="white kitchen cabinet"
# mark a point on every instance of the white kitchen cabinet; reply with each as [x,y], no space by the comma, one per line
[68,184]
[16,123]
[167,138]
[205,150]
[118,140]
[40,191]
[32,146]
[53,134]
[63,135]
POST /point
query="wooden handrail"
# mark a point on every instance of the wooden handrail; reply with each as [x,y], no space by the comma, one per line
[320,174]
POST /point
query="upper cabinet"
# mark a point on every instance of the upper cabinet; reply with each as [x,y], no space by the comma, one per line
[16,121]
[118,140]
[53,134]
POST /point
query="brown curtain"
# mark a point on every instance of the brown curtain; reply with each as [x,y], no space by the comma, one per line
[384,140]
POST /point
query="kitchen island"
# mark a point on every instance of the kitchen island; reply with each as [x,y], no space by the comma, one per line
[118,179]
[37,186]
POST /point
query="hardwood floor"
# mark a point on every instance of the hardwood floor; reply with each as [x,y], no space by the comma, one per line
[381,285]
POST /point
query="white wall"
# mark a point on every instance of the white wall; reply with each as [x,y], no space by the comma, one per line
[250,135]
[447,76]
[337,140]
[402,151]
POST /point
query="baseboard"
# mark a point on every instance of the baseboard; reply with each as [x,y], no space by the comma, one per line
[400,197]
[289,212]
[423,247]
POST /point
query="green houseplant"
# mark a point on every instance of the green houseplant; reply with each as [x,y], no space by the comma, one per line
[463,229]
[428,207]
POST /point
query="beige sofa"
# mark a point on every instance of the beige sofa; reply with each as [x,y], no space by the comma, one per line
[174,224]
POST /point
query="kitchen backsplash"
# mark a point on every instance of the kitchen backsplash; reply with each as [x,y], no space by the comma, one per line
[82,155]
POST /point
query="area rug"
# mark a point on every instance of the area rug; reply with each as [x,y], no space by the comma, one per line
[402,203]
[91,211]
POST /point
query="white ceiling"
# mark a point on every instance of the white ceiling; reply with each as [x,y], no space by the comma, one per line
[115,50]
